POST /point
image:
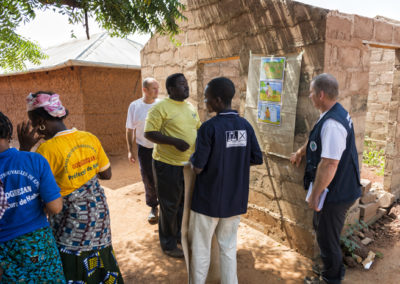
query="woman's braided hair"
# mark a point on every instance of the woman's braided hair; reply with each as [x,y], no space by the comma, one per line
[6,128]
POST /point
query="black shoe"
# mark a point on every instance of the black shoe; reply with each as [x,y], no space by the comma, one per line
[313,280]
[153,215]
[316,268]
[175,253]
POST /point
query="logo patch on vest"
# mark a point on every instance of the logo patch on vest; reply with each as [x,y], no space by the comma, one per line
[313,146]
[236,138]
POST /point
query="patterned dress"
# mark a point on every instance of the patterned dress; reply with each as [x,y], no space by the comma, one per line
[82,229]
[31,257]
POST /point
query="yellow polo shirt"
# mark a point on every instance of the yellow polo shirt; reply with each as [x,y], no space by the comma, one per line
[175,119]
[74,157]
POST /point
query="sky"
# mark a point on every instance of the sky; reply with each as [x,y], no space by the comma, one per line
[50,28]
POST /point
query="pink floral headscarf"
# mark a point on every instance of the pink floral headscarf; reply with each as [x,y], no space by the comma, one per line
[50,103]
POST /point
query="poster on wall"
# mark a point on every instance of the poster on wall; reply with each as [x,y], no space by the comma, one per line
[269,113]
[270,91]
[274,126]
[272,71]
[272,68]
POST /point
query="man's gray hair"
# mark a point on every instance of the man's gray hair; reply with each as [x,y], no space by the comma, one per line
[147,82]
[327,83]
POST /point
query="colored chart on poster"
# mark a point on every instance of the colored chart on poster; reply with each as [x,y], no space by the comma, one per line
[271,91]
[272,68]
[269,113]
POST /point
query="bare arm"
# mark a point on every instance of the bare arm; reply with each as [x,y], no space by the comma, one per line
[326,171]
[106,174]
[27,137]
[296,157]
[196,170]
[159,138]
[130,141]
[55,206]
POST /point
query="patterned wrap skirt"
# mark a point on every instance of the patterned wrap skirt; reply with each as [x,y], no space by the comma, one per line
[83,236]
[31,258]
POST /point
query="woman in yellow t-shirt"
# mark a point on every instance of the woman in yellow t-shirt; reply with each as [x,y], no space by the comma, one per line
[77,160]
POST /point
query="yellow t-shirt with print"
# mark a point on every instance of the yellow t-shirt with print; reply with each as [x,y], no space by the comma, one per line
[74,157]
[175,119]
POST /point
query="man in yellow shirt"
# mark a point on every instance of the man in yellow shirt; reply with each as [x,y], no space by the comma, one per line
[172,125]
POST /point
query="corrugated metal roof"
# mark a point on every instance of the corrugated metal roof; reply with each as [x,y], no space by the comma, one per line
[101,50]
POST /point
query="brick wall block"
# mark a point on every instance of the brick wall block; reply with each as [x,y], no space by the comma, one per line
[352,217]
[203,51]
[166,56]
[363,28]
[385,199]
[159,71]
[368,197]
[368,211]
[153,58]
[359,80]
[163,43]
[349,56]
[338,27]
[383,32]
[396,34]
[195,36]
[241,24]
[187,52]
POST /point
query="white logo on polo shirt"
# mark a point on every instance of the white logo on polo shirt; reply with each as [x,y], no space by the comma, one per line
[236,138]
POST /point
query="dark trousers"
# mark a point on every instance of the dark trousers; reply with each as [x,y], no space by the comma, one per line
[170,189]
[146,169]
[328,224]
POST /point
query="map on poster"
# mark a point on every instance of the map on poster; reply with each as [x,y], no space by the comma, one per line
[272,68]
[269,113]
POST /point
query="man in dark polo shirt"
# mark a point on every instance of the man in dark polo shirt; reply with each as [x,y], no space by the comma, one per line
[226,146]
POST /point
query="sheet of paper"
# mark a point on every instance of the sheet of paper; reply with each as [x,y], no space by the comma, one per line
[321,198]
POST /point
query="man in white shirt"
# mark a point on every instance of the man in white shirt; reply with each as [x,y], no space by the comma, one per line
[331,163]
[135,122]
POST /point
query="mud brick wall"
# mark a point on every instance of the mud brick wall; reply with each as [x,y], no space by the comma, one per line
[15,88]
[391,182]
[330,42]
[229,69]
[106,94]
[349,59]
[380,93]
[97,99]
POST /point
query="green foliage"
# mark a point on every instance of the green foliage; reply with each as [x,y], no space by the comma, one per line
[349,245]
[14,49]
[374,157]
[122,17]
[118,17]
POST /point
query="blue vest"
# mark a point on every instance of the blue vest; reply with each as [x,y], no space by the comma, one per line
[345,186]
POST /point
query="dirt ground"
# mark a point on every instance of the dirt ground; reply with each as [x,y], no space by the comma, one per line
[260,259]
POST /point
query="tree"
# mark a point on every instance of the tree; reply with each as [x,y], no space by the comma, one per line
[118,17]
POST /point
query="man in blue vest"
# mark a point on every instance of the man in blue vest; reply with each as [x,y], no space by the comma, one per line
[332,164]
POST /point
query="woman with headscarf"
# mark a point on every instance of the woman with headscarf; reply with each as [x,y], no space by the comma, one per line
[28,251]
[77,160]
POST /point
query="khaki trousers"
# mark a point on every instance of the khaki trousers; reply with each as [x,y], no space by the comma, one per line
[200,234]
